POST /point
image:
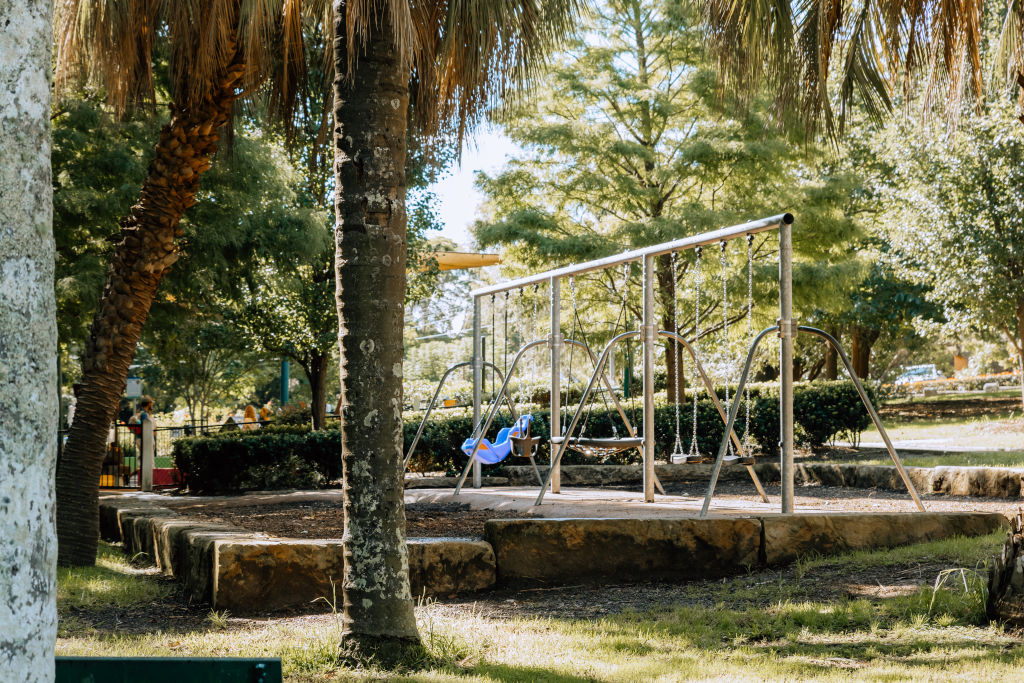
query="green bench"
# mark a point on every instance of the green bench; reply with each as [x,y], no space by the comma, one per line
[167,670]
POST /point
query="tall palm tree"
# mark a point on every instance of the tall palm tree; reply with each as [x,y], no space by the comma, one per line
[445,61]
[219,50]
[873,48]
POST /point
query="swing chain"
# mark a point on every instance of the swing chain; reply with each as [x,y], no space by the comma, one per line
[677,450]
[725,326]
[698,252]
[750,334]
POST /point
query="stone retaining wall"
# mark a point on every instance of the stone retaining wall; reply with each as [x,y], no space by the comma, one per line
[985,482]
[236,569]
[245,572]
[559,551]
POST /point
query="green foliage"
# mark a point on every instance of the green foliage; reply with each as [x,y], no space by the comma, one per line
[289,455]
[955,224]
[236,461]
[99,163]
[631,146]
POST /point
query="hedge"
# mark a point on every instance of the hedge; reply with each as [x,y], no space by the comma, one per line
[290,456]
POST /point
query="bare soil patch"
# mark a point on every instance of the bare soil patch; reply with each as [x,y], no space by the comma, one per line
[324,519]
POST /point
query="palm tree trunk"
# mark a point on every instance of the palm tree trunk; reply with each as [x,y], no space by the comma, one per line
[28,347]
[142,257]
[370,109]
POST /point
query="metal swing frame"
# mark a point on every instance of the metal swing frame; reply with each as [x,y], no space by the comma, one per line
[599,371]
[648,333]
[482,428]
[734,412]
[433,402]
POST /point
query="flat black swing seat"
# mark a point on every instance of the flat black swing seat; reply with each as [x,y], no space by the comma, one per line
[595,448]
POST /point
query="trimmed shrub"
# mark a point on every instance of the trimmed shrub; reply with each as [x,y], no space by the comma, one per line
[290,456]
[237,461]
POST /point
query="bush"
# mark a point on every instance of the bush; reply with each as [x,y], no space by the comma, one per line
[822,411]
[236,461]
[290,456]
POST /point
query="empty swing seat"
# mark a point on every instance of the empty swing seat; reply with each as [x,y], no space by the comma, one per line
[490,452]
[600,448]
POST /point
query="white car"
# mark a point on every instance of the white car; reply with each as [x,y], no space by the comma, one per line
[919,373]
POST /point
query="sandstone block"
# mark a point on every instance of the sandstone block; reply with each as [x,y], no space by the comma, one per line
[251,575]
[566,550]
[787,537]
[443,566]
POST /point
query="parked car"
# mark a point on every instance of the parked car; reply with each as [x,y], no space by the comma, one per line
[919,373]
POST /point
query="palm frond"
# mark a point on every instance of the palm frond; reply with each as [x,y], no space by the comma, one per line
[871,46]
[112,44]
[1008,65]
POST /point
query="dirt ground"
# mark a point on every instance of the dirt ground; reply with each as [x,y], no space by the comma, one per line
[323,519]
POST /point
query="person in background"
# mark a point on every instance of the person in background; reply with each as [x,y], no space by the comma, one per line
[145,409]
[249,418]
[267,411]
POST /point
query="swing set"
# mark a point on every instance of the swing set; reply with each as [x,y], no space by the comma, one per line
[733,449]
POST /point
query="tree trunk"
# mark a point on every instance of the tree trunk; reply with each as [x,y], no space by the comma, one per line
[316,373]
[28,348]
[831,357]
[1006,579]
[370,109]
[815,370]
[1018,344]
[667,286]
[142,257]
[860,350]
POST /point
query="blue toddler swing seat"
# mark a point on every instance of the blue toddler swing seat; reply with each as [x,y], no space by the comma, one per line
[489,452]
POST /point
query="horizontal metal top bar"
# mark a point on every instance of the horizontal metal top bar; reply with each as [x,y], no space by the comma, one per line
[714,237]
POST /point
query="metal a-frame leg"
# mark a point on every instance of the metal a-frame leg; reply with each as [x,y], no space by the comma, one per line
[734,411]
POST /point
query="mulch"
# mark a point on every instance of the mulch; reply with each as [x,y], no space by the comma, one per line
[324,519]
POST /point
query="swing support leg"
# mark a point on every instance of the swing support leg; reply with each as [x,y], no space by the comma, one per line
[618,405]
[650,336]
[730,423]
[734,411]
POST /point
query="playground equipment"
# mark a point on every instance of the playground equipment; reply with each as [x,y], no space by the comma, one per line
[491,453]
[732,448]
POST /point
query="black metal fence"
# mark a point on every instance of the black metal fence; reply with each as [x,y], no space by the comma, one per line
[122,465]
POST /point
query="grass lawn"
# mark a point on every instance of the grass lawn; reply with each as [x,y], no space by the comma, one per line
[954,396]
[989,459]
[994,433]
[852,617]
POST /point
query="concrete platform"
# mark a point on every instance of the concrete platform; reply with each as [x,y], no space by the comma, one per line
[578,502]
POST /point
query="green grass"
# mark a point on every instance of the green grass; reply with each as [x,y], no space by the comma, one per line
[981,459]
[1000,432]
[113,582]
[763,626]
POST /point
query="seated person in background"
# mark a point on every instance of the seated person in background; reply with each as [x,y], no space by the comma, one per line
[249,418]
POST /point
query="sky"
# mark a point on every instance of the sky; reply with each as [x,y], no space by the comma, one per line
[458,199]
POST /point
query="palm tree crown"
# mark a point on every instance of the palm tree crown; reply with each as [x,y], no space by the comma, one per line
[872,48]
